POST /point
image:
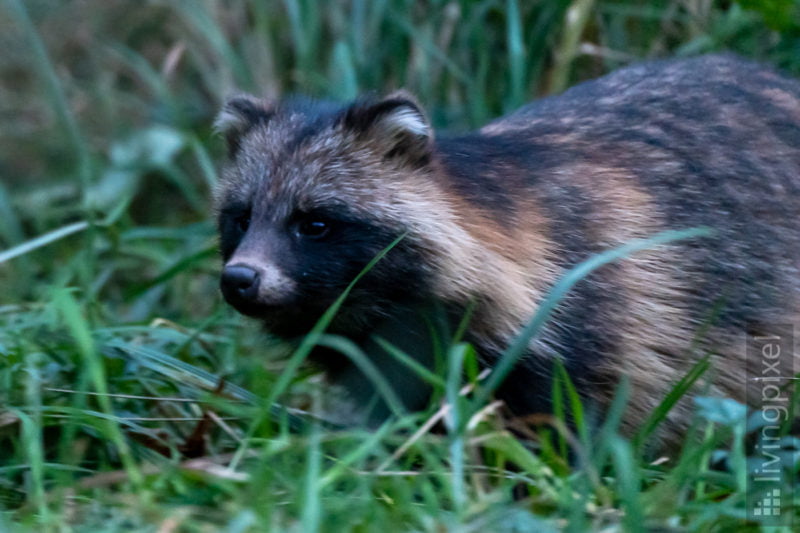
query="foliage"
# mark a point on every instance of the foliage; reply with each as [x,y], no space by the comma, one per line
[114,341]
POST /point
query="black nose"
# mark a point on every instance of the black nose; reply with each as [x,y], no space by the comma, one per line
[239,283]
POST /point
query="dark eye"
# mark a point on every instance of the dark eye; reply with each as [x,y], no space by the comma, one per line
[242,222]
[313,228]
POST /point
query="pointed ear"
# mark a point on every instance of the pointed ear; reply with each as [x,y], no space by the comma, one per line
[238,115]
[395,126]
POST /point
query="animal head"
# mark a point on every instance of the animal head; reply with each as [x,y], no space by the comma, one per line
[311,193]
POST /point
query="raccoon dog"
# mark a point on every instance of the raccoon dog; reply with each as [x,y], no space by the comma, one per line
[491,219]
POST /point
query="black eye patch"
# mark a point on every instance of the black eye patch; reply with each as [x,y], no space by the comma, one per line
[233,223]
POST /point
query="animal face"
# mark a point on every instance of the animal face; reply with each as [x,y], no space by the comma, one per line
[311,195]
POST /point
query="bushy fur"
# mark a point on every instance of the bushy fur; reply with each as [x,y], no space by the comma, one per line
[495,216]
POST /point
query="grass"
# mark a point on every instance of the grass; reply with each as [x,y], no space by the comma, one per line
[132,399]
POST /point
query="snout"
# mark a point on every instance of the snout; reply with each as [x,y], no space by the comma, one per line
[252,288]
[240,283]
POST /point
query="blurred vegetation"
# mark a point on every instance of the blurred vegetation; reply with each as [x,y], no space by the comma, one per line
[108,269]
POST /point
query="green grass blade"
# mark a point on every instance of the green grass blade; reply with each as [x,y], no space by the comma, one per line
[411,363]
[10,224]
[42,240]
[456,424]
[516,55]
[368,446]
[575,20]
[560,413]
[312,506]
[180,266]
[197,15]
[430,48]
[566,395]
[629,485]
[204,161]
[33,446]
[80,331]
[58,101]
[678,391]
[343,75]
[359,358]
[175,369]
[611,422]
